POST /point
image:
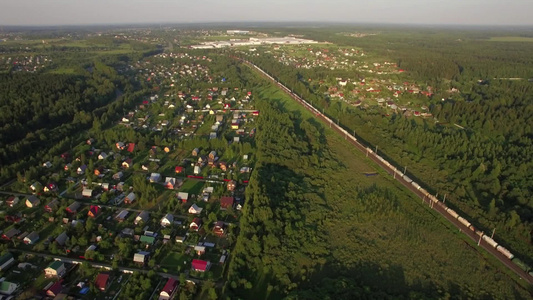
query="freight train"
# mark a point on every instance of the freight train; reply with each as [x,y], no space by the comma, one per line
[397,173]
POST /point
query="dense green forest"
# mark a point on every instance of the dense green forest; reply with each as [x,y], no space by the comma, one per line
[43,114]
[484,168]
[315,227]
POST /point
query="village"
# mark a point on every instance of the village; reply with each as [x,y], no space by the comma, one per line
[363,80]
[161,190]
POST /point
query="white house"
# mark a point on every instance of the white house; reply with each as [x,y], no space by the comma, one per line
[167,220]
[194,209]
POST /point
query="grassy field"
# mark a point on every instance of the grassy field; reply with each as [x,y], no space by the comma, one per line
[386,239]
[511,39]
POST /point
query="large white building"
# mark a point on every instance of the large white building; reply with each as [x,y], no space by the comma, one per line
[288,40]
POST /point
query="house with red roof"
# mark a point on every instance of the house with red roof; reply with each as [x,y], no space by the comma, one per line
[169,289]
[178,169]
[93,211]
[200,265]
[55,289]
[226,202]
[101,281]
[196,224]
[131,147]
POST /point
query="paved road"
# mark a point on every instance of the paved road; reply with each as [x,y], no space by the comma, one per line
[523,275]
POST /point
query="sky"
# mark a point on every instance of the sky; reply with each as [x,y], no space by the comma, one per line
[85,12]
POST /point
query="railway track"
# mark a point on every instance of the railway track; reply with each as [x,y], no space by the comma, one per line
[389,169]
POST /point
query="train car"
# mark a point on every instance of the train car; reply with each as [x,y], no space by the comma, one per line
[369,150]
[522,265]
[505,252]
[409,180]
[416,185]
[398,173]
[464,221]
[442,205]
[490,241]
[423,191]
[433,198]
[452,213]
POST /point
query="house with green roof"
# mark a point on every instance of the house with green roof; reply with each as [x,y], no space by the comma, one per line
[7,288]
[150,240]
[55,269]
[6,261]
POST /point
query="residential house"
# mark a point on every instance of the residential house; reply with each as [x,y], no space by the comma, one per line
[197,170]
[12,201]
[199,265]
[145,239]
[55,269]
[179,169]
[47,164]
[51,187]
[195,152]
[105,186]
[142,217]
[99,171]
[131,147]
[141,257]
[31,238]
[181,238]
[55,289]
[32,201]
[130,198]
[170,183]
[167,220]
[223,166]
[121,216]
[51,206]
[6,261]
[212,155]
[8,235]
[219,228]
[62,239]
[200,250]
[196,224]
[226,202]
[90,141]
[194,209]
[8,288]
[118,175]
[73,208]
[81,169]
[128,163]
[101,281]
[67,167]
[102,156]
[231,185]
[169,289]
[88,193]
[36,186]
[94,210]
[154,177]
[183,197]
[120,145]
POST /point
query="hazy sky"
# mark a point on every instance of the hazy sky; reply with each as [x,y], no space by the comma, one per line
[61,12]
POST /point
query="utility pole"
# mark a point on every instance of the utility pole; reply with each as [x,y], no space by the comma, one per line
[404,169]
[376,149]
[479,242]
[493,231]
[366,151]
[444,198]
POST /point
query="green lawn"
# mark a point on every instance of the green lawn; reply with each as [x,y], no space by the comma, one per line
[173,261]
[192,186]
